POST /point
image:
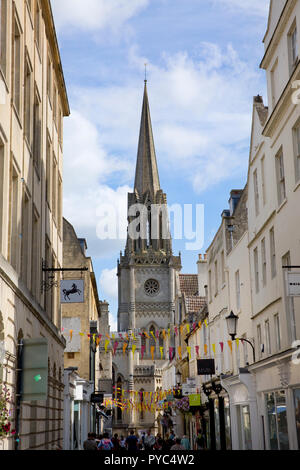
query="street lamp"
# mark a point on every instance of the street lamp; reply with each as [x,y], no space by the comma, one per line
[232,321]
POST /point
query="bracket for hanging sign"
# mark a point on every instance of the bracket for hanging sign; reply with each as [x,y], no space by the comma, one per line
[51,282]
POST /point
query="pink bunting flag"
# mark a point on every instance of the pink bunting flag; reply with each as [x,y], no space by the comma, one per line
[222,346]
[194,326]
[116,344]
[143,349]
[171,353]
[197,350]
[157,334]
[121,336]
[176,330]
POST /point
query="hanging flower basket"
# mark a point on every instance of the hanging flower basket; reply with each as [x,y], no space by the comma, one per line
[183,405]
[5,424]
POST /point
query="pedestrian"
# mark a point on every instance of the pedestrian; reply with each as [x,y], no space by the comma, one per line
[90,443]
[149,440]
[132,442]
[200,440]
[116,443]
[122,443]
[185,442]
[177,445]
[105,443]
[158,442]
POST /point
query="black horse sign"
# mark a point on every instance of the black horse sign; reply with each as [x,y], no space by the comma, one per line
[72,291]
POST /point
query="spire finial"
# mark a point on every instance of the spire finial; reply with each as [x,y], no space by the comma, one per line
[146,72]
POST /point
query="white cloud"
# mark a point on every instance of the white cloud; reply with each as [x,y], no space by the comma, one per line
[252,7]
[109,283]
[95,15]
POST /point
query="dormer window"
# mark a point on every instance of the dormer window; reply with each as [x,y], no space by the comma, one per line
[293,47]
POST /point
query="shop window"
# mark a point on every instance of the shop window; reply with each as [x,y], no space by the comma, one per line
[277,420]
[297,413]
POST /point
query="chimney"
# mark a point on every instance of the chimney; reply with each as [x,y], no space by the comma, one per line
[202,274]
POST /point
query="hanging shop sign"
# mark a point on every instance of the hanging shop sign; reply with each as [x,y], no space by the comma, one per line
[206,367]
[293,284]
[188,389]
[195,400]
[72,291]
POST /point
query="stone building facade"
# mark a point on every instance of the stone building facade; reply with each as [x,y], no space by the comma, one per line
[33,104]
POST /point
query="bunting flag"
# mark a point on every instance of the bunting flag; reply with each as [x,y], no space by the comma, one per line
[230,345]
[169,332]
[179,352]
[205,321]
[133,349]
[200,324]
[214,348]
[115,347]
[153,335]
[242,342]
[157,334]
[94,338]
[189,352]
[107,336]
[181,329]
[106,345]
[81,334]
[188,328]
[143,351]
[113,336]
[98,341]
[152,352]
[161,352]
[205,349]
[121,336]
[194,326]
[171,353]
[222,347]
[237,343]
[197,351]
[176,330]
[164,334]
[146,334]
[124,348]
[71,335]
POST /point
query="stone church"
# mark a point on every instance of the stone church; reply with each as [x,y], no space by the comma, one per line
[147,273]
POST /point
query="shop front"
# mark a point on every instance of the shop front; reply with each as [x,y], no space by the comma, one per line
[216,418]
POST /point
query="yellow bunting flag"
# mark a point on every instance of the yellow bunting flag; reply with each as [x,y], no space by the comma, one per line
[179,352]
[71,335]
[146,334]
[124,348]
[214,348]
[113,336]
[237,343]
[81,334]
[205,321]
[189,352]
[106,345]
[188,329]
[133,349]
[152,352]
[153,335]
[161,352]
[205,349]
[230,345]
[169,332]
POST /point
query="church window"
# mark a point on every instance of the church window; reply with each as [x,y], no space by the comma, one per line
[151,287]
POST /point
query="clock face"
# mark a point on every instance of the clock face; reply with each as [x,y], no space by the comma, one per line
[151,287]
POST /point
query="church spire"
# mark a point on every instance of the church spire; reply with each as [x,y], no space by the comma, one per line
[146,176]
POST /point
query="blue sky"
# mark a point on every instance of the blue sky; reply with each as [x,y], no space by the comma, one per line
[203,70]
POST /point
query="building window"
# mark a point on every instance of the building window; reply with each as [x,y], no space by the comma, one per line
[49,78]
[48,172]
[293,48]
[238,290]
[290,306]
[35,251]
[264,261]
[297,409]
[16,63]
[280,177]
[277,420]
[60,126]
[37,132]
[259,341]
[59,206]
[216,278]
[296,135]
[268,337]
[256,270]
[55,104]
[256,193]
[272,253]
[263,180]
[210,286]
[277,332]
[28,103]
[25,238]
[54,189]
[3,35]
[223,268]
[14,231]
[37,26]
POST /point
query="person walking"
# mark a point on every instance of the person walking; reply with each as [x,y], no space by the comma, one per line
[105,443]
[116,443]
[122,443]
[132,442]
[149,441]
[185,442]
[177,445]
[90,443]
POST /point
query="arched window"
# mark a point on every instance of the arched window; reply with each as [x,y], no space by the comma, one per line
[142,403]
[119,398]
[152,341]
